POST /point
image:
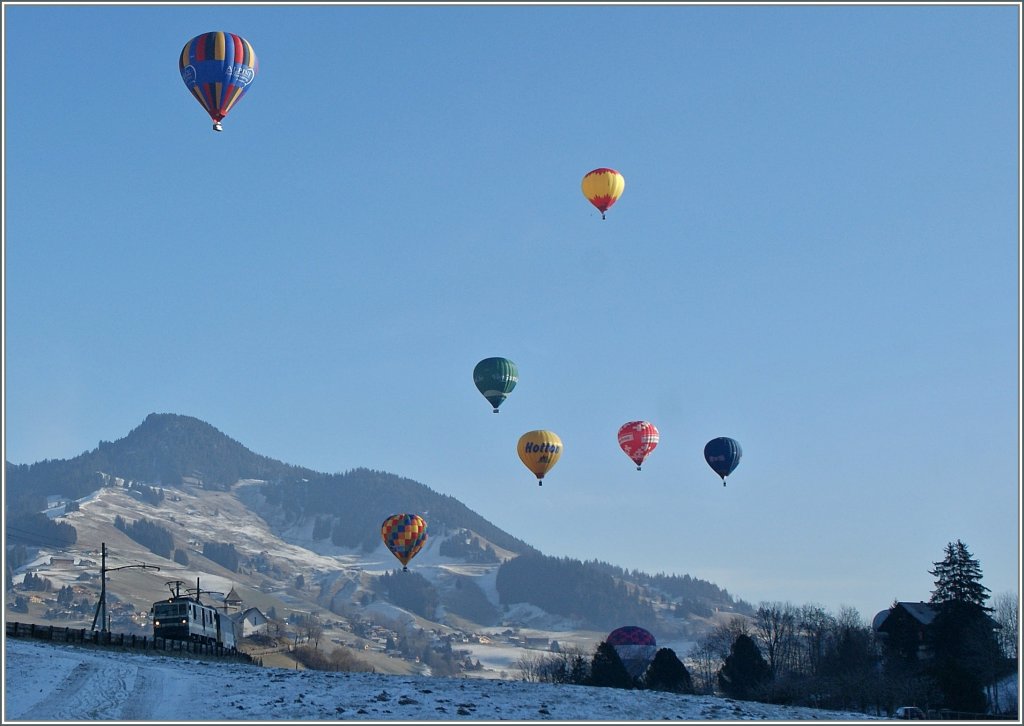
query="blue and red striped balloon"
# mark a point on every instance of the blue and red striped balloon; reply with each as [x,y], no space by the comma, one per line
[218,68]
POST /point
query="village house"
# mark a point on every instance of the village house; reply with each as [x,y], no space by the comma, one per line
[250,622]
[908,622]
[906,626]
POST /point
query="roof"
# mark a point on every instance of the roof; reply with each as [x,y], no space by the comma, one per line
[922,612]
[232,596]
[254,615]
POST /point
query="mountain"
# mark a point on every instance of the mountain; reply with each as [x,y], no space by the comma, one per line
[179,494]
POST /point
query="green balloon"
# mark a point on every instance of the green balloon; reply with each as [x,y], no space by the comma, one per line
[495,378]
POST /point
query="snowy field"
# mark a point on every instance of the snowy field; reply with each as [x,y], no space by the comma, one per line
[57,682]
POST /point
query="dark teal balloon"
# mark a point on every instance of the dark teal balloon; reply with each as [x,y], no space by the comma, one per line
[723,455]
[495,378]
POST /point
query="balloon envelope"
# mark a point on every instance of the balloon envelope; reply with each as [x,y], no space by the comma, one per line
[635,647]
[218,68]
[404,535]
[602,187]
[495,378]
[539,451]
[723,455]
[638,439]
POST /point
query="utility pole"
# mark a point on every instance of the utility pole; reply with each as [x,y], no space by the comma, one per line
[101,606]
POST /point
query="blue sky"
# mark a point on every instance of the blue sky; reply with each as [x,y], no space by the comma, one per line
[816,253]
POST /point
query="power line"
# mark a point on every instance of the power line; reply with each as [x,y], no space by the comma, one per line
[102,604]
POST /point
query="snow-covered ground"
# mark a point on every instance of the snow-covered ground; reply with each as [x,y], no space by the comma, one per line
[57,682]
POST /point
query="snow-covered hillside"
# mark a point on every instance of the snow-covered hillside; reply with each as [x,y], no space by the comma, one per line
[336,577]
[56,682]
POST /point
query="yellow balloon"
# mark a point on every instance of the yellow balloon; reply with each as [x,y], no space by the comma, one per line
[540,450]
[603,187]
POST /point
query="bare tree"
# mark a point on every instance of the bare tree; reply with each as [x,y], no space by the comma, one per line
[705,661]
[1006,613]
[775,624]
[529,666]
[815,629]
[312,628]
[723,636]
[710,652]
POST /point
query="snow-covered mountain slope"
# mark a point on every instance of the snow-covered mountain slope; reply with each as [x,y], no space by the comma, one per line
[335,578]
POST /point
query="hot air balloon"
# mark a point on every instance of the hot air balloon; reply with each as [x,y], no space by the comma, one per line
[603,187]
[218,69]
[638,439]
[723,455]
[540,450]
[635,647]
[495,378]
[404,535]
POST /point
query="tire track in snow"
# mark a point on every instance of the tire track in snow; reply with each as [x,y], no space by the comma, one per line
[94,689]
[148,689]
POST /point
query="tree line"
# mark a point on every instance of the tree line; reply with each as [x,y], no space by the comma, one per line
[803,655]
[605,669]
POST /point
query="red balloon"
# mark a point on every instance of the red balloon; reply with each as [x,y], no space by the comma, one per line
[638,439]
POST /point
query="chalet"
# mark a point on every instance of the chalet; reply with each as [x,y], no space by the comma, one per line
[63,563]
[250,622]
[908,622]
[905,627]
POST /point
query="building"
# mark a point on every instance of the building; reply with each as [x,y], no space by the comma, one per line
[905,626]
[250,622]
[232,600]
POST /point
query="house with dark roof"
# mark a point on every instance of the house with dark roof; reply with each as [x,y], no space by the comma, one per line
[905,625]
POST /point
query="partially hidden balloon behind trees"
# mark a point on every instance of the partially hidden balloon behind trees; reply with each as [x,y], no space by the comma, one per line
[635,647]
[218,68]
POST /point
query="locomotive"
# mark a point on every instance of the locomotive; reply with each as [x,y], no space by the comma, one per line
[183,616]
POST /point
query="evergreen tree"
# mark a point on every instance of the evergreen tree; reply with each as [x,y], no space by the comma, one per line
[667,673]
[606,669]
[745,670]
[966,651]
[958,578]
[66,596]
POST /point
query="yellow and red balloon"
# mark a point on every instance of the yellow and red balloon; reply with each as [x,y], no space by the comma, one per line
[602,187]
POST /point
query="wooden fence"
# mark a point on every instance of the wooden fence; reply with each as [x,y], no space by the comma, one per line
[82,636]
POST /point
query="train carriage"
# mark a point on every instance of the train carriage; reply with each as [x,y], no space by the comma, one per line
[185,617]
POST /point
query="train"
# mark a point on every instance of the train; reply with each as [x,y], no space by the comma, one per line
[183,616]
